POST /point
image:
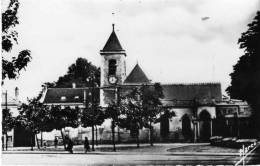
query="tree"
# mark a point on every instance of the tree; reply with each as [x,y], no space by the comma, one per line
[7,124]
[142,107]
[92,115]
[85,75]
[245,78]
[11,68]
[152,107]
[34,117]
[113,112]
[61,118]
[131,116]
[78,73]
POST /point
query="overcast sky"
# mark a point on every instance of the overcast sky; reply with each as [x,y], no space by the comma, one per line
[174,41]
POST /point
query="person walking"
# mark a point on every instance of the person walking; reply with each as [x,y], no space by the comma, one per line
[68,144]
[86,145]
[55,142]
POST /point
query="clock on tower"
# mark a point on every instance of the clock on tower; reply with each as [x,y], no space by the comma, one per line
[112,79]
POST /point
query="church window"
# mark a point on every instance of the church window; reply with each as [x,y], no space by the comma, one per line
[112,67]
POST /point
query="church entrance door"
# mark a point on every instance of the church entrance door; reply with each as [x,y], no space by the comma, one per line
[205,127]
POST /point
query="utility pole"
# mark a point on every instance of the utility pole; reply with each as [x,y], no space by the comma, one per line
[113,122]
[92,109]
[118,109]
[6,139]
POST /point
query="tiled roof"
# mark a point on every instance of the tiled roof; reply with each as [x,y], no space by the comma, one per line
[112,43]
[201,92]
[64,95]
[67,95]
[137,76]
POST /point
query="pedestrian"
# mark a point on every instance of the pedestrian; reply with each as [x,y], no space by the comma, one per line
[44,145]
[55,142]
[86,145]
[68,144]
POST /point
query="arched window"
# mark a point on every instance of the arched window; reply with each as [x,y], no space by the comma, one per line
[112,67]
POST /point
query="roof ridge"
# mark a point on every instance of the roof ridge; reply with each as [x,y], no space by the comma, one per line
[71,88]
[199,83]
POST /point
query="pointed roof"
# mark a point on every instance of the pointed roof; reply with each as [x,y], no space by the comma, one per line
[137,76]
[112,43]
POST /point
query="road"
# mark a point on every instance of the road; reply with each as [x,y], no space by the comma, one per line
[160,154]
[117,158]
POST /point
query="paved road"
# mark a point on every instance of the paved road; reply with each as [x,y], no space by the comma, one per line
[117,158]
[158,154]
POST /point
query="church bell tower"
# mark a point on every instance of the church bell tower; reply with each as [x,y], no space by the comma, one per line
[113,66]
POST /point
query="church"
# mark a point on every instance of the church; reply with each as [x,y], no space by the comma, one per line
[200,109]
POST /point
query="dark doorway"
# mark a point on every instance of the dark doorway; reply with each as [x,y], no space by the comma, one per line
[205,125]
[165,127]
[219,126]
[186,128]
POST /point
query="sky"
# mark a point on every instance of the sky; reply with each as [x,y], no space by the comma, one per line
[174,41]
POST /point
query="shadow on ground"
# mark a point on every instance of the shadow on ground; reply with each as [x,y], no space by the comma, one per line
[204,148]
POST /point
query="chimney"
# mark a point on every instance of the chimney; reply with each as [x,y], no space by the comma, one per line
[73,85]
[16,93]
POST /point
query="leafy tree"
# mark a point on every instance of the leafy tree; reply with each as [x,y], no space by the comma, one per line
[79,73]
[131,116]
[151,105]
[85,75]
[142,107]
[34,117]
[92,115]
[61,118]
[7,123]
[245,79]
[113,112]
[11,66]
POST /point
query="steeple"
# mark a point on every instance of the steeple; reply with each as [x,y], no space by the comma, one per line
[112,44]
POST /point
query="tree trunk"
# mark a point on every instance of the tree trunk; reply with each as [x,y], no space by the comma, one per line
[38,146]
[151,134]
[3,145]
[118,135]
[41,139]
[113,136]
[32,137]
[137,141]
[63,141]
[93,138]
[96,137]
[6,141]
